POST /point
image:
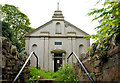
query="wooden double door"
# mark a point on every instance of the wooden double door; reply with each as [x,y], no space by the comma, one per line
[57,61]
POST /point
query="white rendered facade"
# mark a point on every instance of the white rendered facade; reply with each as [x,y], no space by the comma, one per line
[54,41]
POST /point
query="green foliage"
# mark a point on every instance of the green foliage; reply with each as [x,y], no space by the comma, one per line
[108,32]
[89,48]
[43,74]
[7,31]
[18,24]
[109,28]
[32,80]
[12,15]
[110,20]
[66,74]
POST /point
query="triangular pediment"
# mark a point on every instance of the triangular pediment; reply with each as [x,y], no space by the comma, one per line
[76,28]
[37,29]
[48,29]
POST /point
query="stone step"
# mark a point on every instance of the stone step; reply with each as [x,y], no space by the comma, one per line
[5,81]
[46,80]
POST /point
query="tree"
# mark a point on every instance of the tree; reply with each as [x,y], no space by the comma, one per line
[7,31]
[18,22]
[109,28]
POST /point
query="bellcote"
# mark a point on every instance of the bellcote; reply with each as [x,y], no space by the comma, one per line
[58,14]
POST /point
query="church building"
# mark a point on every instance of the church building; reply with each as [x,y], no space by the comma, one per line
[54,41]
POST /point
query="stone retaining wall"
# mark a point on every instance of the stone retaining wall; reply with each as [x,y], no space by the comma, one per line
[12,63]
[101,72]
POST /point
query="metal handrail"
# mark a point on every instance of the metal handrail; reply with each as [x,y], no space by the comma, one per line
[25,65]
[73,53]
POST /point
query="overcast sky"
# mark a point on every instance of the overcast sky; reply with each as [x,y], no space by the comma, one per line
[74,11]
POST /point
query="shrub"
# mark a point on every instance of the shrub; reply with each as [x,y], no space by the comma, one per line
[66,74]
[42,73]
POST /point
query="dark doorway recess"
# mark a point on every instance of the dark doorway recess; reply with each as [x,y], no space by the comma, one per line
[57,61]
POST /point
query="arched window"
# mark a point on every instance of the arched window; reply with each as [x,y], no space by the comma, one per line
[58,27]
[34,48]
[33,59]
[81,51]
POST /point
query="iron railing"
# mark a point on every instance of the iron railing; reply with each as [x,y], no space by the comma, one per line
[25,65]
[73,53]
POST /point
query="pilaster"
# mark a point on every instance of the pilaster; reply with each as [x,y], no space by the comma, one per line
[69,49]
[46,59]
[42,53]
[74,46]
[27,44]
